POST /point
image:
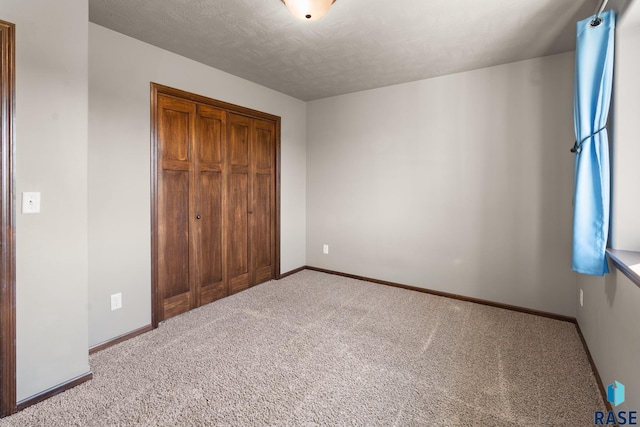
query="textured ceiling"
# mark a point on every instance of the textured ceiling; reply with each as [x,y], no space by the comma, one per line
[358,45]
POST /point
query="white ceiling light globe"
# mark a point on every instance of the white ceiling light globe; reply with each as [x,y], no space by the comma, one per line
[308,10]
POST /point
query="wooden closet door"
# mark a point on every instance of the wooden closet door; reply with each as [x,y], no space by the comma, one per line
[208,238]
[215,192]
[175,196]
[251,201]
[262,197]
[239,132]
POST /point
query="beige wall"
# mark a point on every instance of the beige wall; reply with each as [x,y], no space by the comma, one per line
[625,139]
[609,322]
[120,71]
[460,183]
[610,316]
[51,153]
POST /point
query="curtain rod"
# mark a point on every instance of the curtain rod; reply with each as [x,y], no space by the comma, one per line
[600,7]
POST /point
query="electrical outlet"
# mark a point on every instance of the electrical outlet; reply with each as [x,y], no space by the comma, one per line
[30,202]
[116,301]
[325,249]
[581,298]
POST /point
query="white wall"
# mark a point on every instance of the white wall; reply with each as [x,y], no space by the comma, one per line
[460,183]
[610,317]
[120,71]
[609,323]
[51,158]
[625,139]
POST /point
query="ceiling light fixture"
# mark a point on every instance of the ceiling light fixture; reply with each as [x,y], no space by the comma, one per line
[308,10]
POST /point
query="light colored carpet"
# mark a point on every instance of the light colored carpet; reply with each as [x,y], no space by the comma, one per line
[318,349]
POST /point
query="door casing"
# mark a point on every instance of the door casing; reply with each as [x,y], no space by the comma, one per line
[7,222]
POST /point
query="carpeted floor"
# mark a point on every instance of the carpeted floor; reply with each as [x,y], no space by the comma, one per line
[317,349]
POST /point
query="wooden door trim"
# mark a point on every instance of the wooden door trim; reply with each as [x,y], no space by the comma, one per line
[7,223]
[156,303]
[232,108]
[156,90]
[276,256]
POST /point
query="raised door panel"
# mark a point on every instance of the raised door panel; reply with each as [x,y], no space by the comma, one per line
[238,239]
[209,265]
[237,232]
[174,130]
[262,232]
[263,146]
[174,206]
[209,200]
[239,128]
[210,138]
[174,236]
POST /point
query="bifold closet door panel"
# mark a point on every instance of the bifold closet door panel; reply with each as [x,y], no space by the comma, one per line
[237,226]
[175,149]
[262,193]
[209,201]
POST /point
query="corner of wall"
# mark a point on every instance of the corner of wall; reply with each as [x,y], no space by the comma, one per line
[51,158]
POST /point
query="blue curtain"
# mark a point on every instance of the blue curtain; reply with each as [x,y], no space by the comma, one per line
[592,96]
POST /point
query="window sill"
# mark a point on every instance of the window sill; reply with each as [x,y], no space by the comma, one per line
[628,262]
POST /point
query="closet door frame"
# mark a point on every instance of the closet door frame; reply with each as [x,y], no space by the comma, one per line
[157,90]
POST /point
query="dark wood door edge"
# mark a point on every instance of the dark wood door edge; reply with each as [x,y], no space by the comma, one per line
[156,303]
[276,257]
[7,223]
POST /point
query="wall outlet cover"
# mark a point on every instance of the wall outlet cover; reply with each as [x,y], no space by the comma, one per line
[116,301]
[30,202]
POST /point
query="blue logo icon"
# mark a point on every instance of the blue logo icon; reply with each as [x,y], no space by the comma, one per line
[615,393]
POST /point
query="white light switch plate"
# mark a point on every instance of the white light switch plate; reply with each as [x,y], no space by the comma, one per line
[30,203]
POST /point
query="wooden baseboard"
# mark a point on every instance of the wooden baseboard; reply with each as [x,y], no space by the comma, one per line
[81,379]
[451,295]
[603,391]
[54,390]
[289,273]
[120,338]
